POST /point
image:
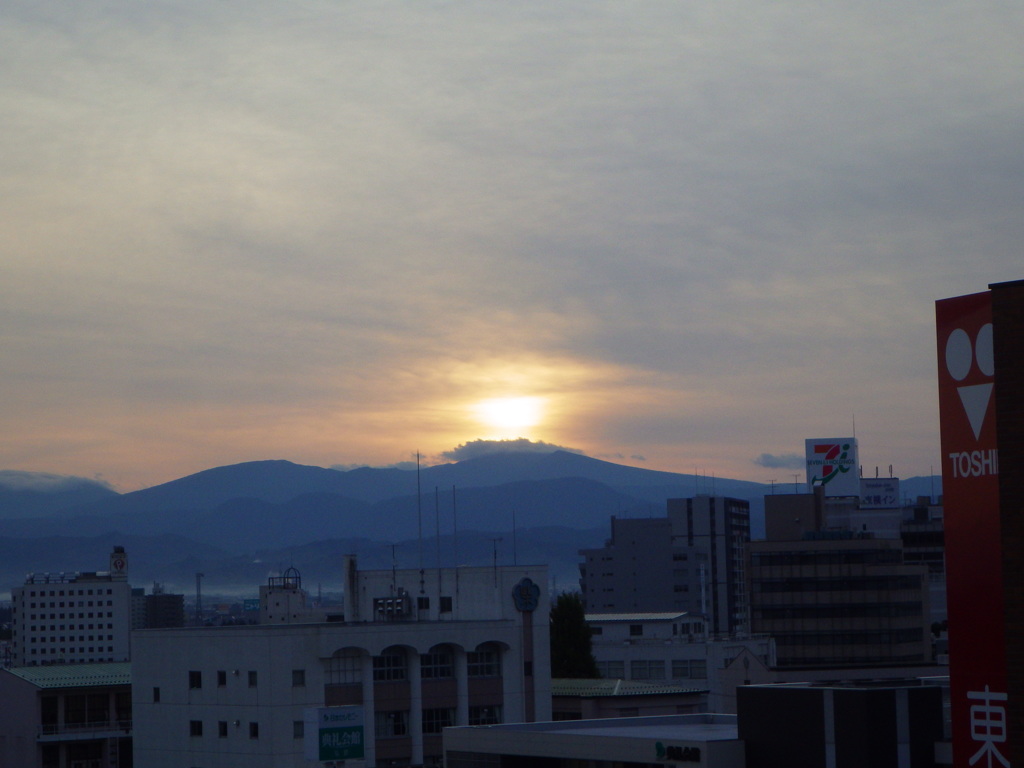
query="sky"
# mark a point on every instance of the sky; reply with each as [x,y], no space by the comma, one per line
[677,235]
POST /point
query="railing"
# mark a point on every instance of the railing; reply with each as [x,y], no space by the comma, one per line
[84,729]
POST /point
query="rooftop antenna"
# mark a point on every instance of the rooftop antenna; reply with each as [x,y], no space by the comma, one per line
[772,481]
[199,599]
[796,479]
[419,518]
[853,416]
[455,545]
[515,560]
[494,544]
[437,536]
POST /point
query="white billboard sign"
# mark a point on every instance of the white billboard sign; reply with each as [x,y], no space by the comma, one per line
[880,493]
[832,463]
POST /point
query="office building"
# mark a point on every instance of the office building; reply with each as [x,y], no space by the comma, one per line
[691,560]
[73,618]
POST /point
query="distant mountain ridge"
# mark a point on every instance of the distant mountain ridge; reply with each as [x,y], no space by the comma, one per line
[226,514]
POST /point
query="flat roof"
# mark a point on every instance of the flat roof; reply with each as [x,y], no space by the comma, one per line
[597,617]
[693,728]
[76,675]
[564,686]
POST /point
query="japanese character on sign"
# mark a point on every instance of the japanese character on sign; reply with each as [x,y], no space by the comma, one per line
[988,725]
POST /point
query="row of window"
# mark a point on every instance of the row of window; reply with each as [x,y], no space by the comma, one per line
[195,728]
[838,584]
[851,637]
[56,627]
[55,651]
[388,725]
[72,604]
[69,638]
[69,593]
[390,667]
[195,679]
[79,615]
[654,669]
[839,611]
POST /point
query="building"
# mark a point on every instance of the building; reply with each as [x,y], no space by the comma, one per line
[157,610]
[791,726]
[672,649]
[692,560]
[708,741]
[66,716]
[980,345]
[73,618]
[284,601]
[923,534]
[417,651]
[846,726]
[838,599]
[582,699]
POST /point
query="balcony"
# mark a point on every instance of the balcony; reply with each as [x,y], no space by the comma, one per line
[78,731]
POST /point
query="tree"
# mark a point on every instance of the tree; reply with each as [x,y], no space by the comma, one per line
[571,646]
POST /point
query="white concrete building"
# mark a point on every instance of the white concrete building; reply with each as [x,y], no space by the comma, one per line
[673,647]
[73,618]
[418,651]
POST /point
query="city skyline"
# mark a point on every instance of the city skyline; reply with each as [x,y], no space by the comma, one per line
[679,237]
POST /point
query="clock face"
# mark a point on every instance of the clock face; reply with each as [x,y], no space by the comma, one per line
[118,564]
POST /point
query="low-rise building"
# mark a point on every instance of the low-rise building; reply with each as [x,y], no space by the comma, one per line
[674,648]
[64,715]
[417,651]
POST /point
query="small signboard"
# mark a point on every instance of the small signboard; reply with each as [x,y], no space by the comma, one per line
[334,733]
[251,604]
[880,493]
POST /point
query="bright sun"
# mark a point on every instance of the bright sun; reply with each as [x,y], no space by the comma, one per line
[510,413]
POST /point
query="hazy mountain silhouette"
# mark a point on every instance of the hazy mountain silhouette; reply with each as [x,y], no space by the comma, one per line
[236,521]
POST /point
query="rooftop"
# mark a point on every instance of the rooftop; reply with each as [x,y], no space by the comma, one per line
[593,688]
[601,617]
[76,675]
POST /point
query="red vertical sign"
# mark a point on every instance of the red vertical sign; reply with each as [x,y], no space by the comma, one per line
[970,483]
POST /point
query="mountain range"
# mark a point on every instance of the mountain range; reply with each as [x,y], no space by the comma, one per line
[238,524]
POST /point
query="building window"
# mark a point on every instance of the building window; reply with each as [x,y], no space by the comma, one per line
[254,730]
[156,695]
[699,669]
[437,664]
[222,678]
[391,725]
[195,679]
[483,664]
[636,630]
[436,719]
[195,727]
[446,604]
[222,729]
[647,669]
[389,666]
[344,669]
[298,678]
[298,729]
[611,670]
[252,678]
[423,603]
[485,715]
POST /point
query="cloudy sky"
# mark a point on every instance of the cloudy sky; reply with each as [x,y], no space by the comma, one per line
[679,235]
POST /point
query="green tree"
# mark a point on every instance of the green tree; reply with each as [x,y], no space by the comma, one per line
[571,646]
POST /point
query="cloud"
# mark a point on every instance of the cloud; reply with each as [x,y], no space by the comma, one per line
[780,461]
[404,465]
[43,482]
[475,448]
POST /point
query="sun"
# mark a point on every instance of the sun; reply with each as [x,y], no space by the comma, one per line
[510,413]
